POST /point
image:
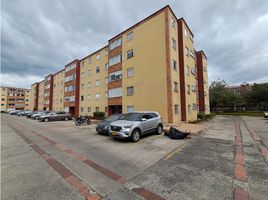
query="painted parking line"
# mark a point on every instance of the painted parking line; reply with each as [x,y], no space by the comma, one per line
[240,194]
[96,166]
[66,174]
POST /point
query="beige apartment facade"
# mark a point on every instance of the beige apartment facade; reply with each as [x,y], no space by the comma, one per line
[149,66]
[15,99]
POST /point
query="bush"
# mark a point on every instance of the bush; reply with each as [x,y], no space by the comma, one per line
[201,116]
[99,115]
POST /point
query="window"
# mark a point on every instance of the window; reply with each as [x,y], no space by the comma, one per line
[130,72]
[82,109]
[97,56]
[115,92]
[189,108]
[174,44]
[89,73]
[176,109]
[106,109]
[115,59]
[129,36]
[69,99]
[130,91]
[89,109]
[175,89]
[106,94]
[106,66]
[89,84]
[188,70]
[70,77]
[173,22]
[193,70]
[97,109]
[130,109]
[175,65]
[97,82]
[82,98]
[188,89]
[106,52]
[130,54]
[194,106]
[89,60]
[89,97]
[193,88]
[70,67]
[97,96]
[115,76]
[115,43]
[186,51]
[97,69]
[106,80]
[69,88]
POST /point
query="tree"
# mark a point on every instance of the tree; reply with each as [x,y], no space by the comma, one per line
[217,93]
[259,96]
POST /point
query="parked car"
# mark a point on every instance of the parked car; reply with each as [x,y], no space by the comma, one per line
[23,113]
[39,113]
[54,116]
[104,126]
[30,113]
[13,112]
[265,114]
[136,124]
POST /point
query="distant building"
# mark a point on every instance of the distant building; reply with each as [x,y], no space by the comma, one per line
[240,89]
[15,99]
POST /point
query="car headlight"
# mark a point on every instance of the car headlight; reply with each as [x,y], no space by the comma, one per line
[129,126]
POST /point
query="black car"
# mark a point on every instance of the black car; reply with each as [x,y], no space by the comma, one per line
[103,126]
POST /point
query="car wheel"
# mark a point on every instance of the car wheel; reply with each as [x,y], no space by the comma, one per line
[159,129]
[77,123]
[46,119]
[135,136]
[66,118]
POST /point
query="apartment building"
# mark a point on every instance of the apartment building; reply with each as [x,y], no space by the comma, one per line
[150,66]
[14,99]
[202,77]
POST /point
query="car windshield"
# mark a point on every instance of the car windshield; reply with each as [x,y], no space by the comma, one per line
[114,117]
[133,117]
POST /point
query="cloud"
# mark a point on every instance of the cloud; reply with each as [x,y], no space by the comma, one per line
[40,37]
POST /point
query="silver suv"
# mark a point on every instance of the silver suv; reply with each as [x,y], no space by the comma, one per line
[136,124]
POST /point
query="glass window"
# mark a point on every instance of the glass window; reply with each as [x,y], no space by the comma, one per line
[82,98]
[175,65]
[130,54]
[130,72]
[115,43]
[89,97]
[97,56]
[97,82]
[106,94]
[97,96]
[130,109]
[130,91]
[106,66]
[129,36]
[82,109]
[115,92]
[97,69]
[174,44]
[176,109]
[115,59]
[97,109]
[89,109]
[89,73]
[115,76]
[175,87]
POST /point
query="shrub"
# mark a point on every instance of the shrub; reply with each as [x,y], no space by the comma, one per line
[99,115]
[201,116]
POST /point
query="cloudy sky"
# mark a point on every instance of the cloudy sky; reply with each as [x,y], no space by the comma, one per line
[39,37]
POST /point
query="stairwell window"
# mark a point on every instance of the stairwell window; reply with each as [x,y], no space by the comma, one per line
[98,57]
[89,109]
[176,109]
[130,54]
[130,91]
[130,72]
[174,44]
[97,82]
[97,69]
[175,89]
[97,96]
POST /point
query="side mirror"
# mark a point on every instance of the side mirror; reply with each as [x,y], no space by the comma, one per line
[143,119]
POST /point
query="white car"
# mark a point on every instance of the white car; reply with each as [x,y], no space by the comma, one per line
[265,114]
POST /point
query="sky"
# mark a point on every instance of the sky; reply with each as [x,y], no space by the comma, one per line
[38,37]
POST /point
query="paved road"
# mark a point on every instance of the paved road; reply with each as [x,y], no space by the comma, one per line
[59,161]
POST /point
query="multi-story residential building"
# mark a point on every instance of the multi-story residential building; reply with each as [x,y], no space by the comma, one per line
[202,78]
[149,66]
[15,98]
[240,89]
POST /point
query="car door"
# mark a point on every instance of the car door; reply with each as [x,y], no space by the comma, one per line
[153,120]
[145,125]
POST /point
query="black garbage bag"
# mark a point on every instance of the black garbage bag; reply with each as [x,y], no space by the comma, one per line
[176,134]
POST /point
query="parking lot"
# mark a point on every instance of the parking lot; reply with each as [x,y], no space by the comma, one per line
[58,160]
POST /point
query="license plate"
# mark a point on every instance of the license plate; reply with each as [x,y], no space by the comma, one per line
[114,133]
